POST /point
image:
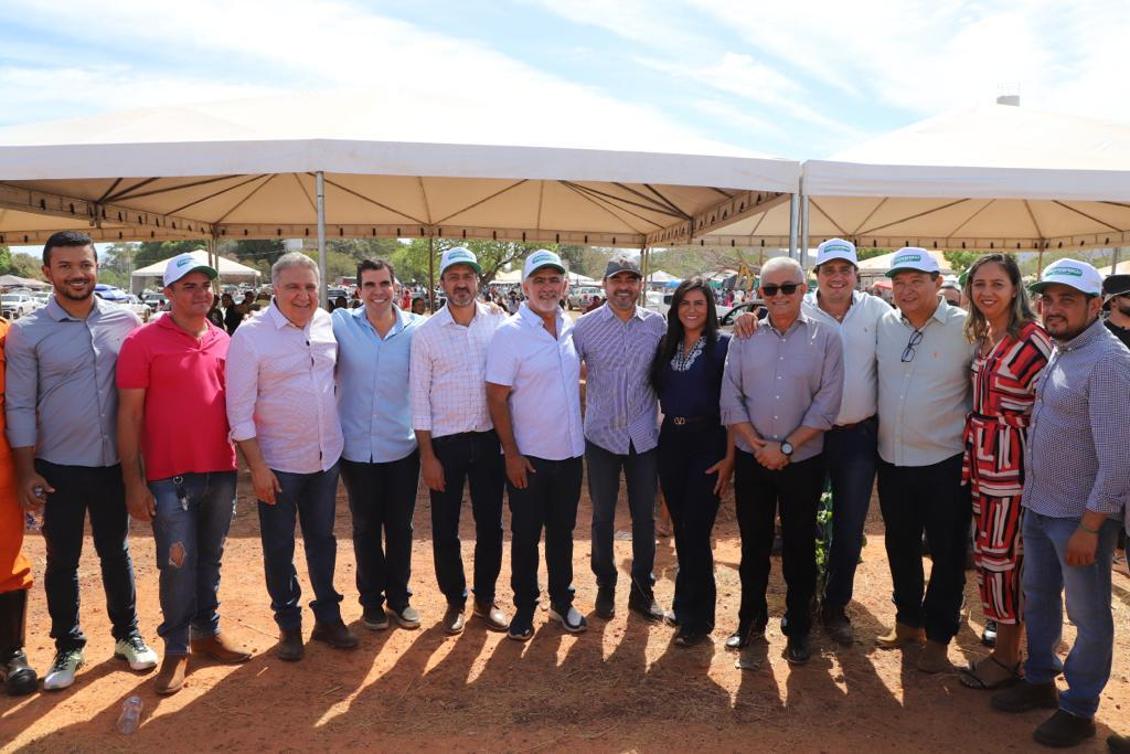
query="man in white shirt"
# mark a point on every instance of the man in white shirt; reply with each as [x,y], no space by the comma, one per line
[850,447]
[283,414]
[457,441]
[533,392]
[924,385]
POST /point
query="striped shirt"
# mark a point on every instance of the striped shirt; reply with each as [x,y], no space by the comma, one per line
[620,410]
[448,373]
[1076,458]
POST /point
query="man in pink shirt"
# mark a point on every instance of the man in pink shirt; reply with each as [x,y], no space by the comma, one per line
[178,463]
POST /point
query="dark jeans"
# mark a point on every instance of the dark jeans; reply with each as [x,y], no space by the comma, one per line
[312,499]
[759,493]
[194,514]
[382,497]
[684,456]
[851,455]
[604,489]
[549,500]
[930,498]
[474,458]
[99,489]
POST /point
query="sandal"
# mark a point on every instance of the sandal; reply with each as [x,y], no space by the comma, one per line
[970,678]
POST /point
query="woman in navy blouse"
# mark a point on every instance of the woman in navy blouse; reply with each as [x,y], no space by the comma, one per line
[696,456]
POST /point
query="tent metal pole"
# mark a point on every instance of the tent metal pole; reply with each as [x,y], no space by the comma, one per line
[803,234]
[320,190]
[794,208]
[1040,263]
[431,274]
[645,258]
[1115,258]
[212,261]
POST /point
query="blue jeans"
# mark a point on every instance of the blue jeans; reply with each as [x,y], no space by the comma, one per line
[851,454]
[1045,576]
[641,475]
[194,512]
[312,499]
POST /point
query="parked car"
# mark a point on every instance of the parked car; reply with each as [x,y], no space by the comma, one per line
[139,307]
[726,320]
[581,297]
[16,305]
[41,297]
[155,301]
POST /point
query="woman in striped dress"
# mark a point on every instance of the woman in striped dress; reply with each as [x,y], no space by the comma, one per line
[1012,351]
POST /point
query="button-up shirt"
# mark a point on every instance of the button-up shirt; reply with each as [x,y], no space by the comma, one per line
[778,381]
[280,390]
[448,371]
[62,398]
[858,332]
[372,385]
[620,404]
[1076,456]
[544,375]
[923,400]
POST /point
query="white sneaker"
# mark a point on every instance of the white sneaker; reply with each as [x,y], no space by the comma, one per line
[134,651]
[571,619]
[62,672]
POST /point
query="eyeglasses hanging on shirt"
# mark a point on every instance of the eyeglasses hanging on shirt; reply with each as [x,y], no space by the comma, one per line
[911,345]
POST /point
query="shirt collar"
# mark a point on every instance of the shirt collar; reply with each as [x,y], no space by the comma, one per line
[941,313]
[166,321]
[59,314]
[445,318]
[604,310]
[801,319]
[532,319]
[402,319]
[1084,338]
[280,321]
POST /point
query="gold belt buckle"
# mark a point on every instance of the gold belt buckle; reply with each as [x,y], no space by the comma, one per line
[679,421]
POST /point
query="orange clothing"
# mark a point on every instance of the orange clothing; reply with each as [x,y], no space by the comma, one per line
[15,570]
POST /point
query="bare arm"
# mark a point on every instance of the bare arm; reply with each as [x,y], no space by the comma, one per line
[430,467]
[131,411]
[264,481]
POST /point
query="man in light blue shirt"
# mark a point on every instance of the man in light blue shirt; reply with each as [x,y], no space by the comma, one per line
[380,464]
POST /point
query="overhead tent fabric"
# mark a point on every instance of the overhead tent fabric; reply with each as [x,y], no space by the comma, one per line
[996,177]
[230,271]
[247,169]
[879,265]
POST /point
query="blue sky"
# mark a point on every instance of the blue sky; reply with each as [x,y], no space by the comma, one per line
[795,79]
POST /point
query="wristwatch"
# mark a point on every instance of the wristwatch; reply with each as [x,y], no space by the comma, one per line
[787,448]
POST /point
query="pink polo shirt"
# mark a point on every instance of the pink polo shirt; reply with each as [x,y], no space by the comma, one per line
[185,430]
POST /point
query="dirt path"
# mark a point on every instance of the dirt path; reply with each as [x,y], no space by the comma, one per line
[620,687]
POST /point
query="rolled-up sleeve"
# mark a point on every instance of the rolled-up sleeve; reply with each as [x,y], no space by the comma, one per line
[420,382]
[21,390]
[242,377]
[732,402]
[1110,429]
[825,407]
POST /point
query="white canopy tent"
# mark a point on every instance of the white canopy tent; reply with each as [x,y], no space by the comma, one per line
[229,270]
[1123,269]
[987,178]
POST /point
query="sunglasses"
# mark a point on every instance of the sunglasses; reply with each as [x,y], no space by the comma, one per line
[769,291]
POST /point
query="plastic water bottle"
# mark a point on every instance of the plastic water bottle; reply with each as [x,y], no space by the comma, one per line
[131,715]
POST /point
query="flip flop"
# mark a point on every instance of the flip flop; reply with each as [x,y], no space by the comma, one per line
[969,678]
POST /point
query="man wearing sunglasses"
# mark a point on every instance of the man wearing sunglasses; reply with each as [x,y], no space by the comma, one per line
[923,367]
[781,391]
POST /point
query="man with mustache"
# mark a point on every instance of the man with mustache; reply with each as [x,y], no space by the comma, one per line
[1076,491]
[458,443]
[1116,295]
[62,411]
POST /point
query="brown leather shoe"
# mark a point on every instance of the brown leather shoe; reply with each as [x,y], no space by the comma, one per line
[220,649]
[900,636]
[454,620]
[170,678]
[934,658]
[334,634]
[492,616]
[290,646]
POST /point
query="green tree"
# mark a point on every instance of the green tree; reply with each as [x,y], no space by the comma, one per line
[254,251]
[156,251]
[5,259]
[960,261]
[25,266]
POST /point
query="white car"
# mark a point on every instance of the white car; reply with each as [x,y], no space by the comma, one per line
[16,305]
[139,308]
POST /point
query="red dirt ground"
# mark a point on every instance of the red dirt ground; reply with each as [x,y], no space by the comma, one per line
[622,686]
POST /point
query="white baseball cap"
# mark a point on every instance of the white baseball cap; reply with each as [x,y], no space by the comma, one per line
[1079,275]
[541,258]
[181,265]
[459,255]
[836,248]
[913,258]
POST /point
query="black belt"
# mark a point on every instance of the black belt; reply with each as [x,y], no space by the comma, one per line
[460,436]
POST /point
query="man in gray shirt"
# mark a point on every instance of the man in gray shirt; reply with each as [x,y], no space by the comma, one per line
[1076,488]
[62,406]
[781,390]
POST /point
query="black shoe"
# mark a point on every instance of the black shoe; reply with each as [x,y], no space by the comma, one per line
[605,602]
[689,637]
[521,625]
[454,619]
[989,635]
[1063,730]
[1118,744]
[569,617]
[646,606]
[406,617]
[374,618]
[18,677]
[1026,696]
[290,646]
[837,626]
[744,636]
[797,651]
[334,634]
